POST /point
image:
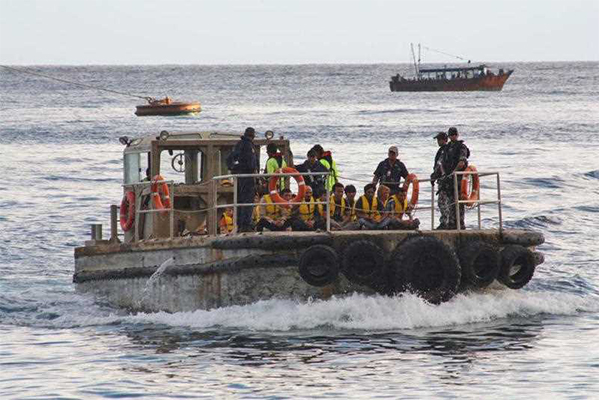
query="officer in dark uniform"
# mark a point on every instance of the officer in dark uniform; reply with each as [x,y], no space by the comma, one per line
[243,160]
[390,170]
[455,158]
[438,172]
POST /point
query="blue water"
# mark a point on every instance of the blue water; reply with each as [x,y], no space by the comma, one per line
[61,164]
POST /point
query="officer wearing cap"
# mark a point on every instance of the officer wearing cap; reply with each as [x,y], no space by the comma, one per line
[243,160]
[438,172]
[390,170]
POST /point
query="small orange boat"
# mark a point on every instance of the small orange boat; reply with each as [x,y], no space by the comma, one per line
[166,107]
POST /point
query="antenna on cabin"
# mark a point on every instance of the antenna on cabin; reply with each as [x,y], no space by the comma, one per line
[419,61]
[412,49]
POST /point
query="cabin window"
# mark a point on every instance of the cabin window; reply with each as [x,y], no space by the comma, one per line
[135,167]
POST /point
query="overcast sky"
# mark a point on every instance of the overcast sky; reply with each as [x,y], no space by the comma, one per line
[293,31]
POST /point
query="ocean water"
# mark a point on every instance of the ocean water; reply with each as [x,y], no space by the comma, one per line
[61,164]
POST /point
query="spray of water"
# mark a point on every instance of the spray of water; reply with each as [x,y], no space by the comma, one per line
[154,278]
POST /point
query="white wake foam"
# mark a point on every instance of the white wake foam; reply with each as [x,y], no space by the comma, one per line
[377,312]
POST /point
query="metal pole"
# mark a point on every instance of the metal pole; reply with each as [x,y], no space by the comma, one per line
[432,207]
[499,202]
[455,176]
[138,203]
[235,202]
[478,210]
[172,212]
[113,223]
[214,218]
[327,207]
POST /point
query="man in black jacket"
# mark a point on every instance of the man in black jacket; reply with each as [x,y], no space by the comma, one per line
[243,160]
[438,172]
[312,164]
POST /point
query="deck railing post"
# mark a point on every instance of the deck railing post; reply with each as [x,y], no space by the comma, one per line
[432,207]
[456,203]
[235,203]
[215,214]
[327,206]
[172,212]
[499,202]
[113,223]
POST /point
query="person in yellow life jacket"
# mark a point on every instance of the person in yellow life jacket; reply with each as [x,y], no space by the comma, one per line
[256,211]
[350,192]
[226,222]
[338,211]
[303,215]
[366,208]
[274,217]
[397,208]
[275,162]
[326,159]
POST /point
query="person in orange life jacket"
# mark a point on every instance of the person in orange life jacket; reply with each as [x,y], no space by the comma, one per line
[226,222]
[396,208]
[275,162]
[326,159]
[390,170]
[350,192]
[312,164]
[303,215]
[275,217]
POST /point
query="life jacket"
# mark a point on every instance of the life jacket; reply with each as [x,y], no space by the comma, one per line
[256,215]
[271,167]
[352,208]
[227,222]
[333,207]
[307,209]
[327,161]
[272,211]
[370,209]
[399,207]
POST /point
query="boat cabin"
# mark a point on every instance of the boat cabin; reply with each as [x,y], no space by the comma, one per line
[187,162]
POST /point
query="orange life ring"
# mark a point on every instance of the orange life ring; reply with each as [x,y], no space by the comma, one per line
[273,186]
[411,179]
[160,190]
[127,211]
[464,186]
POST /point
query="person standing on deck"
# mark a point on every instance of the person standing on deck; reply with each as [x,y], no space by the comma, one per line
[312,164]
[390,170]
[438,172]
[275,162]
[243,160]
[454,158]
[326,159]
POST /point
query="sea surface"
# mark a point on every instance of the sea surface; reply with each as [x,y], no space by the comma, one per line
[61,169]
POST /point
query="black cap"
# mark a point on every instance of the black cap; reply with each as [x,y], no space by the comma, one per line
[249,132]
[441,135]
[452,131]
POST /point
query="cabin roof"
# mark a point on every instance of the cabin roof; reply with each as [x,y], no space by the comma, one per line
[458,69]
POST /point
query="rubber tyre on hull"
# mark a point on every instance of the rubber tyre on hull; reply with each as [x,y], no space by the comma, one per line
[363,263]
[318,265]
[479,263]
[518,266]
[427,266]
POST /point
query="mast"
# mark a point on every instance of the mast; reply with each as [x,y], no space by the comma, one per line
[419,61]
[412,49]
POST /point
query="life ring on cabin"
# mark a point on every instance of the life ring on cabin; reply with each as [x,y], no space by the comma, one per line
[426,266]
[473,195]
[127,211]
[363,263]
[518,266]
[273,186]
[318,265]
[411,179]
[480,264]
[160,191]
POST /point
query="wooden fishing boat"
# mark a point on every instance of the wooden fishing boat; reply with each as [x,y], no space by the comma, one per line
[451,79]
[167,107]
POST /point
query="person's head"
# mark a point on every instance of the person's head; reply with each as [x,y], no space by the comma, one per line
[401,194]
[369,190]
[318,150]
[453,134]
[320,193]
[308,193]
[383,193]
[311,156]
[393,153]
[442,138]
[286,194]
[250,133]
[350,191]
[229,211]
[338,191]
[271,149]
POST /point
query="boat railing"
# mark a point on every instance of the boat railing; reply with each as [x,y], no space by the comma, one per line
[171,210]
[235,203]
[477,202]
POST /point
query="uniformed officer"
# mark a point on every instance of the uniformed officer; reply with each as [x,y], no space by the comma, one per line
[390,170]
[438,172]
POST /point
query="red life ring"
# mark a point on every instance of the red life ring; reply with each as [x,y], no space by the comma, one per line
[273,186]
[411,179]
[464,186]
[127,211]
[160,190]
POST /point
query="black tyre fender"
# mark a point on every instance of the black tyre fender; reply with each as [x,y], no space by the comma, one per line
[427,266]
[364,263]
[480,263]
[518,266]
[319,265]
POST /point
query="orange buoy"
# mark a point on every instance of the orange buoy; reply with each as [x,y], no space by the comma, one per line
[473,194]
[411,179]
[127,211]
[273,186]
[160,191]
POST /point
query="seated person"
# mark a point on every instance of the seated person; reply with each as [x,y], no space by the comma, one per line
[396,208]
[274,217]
[350,192]
[226,222]
[339,213]
[303,215]
[366,208]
